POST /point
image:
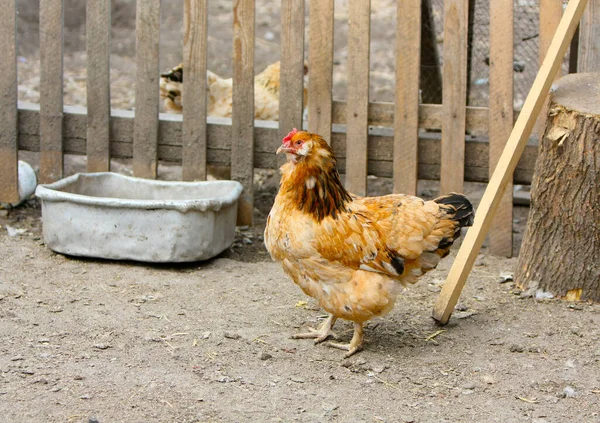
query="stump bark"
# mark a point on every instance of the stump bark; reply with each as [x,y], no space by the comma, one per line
[560,253]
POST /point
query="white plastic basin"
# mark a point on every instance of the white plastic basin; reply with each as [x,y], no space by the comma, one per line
[112,216]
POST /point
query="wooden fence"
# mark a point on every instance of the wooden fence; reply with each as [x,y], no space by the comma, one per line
[369,138]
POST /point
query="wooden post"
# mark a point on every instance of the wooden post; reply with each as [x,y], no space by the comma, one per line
[9,185]
[98,85]
[145,138]
[406,112]
[194,95]
[51,90]
[560,253]
[291,92]
[454,95]
[242,131]
[320,67]
[501,116]
[357,107]
[506,164]
[589,39]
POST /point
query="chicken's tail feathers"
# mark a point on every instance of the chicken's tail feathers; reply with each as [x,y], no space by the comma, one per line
[458,208]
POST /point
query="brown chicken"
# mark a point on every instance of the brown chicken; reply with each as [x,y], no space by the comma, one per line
[353,254]
[266,92]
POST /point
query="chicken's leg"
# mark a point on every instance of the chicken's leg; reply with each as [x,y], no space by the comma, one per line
[355,344]
[322,333]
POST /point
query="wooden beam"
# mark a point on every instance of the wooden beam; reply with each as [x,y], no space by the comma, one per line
[506,164]
[242,131]
[589,39]
[357,106]
[9,184]
[454,95]
[147,38]
[501,116]
[406,113]
[320,67]
[51,90]
[430,116]
[194,92]
[98,25]
[170,136]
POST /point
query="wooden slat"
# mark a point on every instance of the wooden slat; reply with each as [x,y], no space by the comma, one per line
[147,34]
[8,104]
[454,95]
[550,13]
[98,26]
[194,93]
[501,116]
[320,66]
[291,93]
[357,107]
[51,90]
[589,39]
[406,115]
[242,131]
[506,164]
[170,137]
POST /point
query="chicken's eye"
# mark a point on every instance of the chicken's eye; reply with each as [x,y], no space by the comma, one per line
[298,143]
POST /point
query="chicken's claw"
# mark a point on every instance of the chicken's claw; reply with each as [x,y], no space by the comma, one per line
[355,345]
[321,334]
[347,347]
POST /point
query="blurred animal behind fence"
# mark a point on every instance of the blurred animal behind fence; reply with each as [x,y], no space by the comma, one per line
[220,90]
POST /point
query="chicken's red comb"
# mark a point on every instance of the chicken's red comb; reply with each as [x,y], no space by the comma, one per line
[289,136]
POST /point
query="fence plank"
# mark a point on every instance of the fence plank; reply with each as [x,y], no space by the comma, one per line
[550,14]
[501,116]
[51,90]
[454,95]
[320,67]
[357,106]
[98,26]
[589,39]
[8,104]
[242,131]
[406,114]
[194,94]
[291,93]
[147,37]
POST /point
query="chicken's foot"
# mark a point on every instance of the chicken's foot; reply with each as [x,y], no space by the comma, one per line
[320,334]
[355,345]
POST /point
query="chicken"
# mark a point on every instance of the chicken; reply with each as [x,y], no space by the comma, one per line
[266,92]
[353,254]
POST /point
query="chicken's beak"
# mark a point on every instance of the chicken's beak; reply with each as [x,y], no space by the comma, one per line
[284,149]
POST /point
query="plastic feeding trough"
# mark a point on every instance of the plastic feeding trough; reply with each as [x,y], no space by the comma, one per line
[112,216]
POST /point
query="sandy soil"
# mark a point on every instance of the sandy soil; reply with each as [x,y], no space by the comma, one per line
[85,340]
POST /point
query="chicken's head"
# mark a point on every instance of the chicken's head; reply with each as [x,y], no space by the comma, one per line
[299,145]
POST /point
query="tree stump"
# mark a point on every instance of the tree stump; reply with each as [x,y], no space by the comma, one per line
[560,253]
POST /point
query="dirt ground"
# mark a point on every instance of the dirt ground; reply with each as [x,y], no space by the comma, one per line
[85,340]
